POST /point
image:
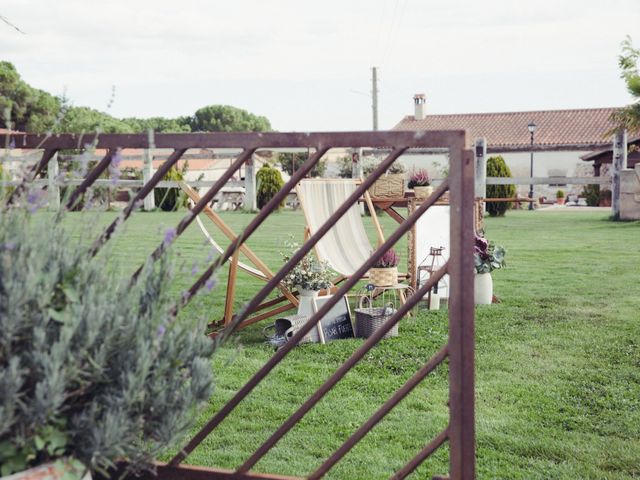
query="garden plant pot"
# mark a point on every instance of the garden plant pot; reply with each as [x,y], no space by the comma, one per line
[423,192]
[483,289]
[304,292]
[383,277]
[51,471]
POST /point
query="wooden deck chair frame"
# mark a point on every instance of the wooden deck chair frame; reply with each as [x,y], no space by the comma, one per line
[367,199]
[259,270]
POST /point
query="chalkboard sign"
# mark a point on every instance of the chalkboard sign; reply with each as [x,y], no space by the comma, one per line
[337,323]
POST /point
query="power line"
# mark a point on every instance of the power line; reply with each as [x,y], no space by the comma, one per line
[6,20]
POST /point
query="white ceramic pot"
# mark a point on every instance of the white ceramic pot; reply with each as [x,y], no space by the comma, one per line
[483,289]
[304,292]
[423,192]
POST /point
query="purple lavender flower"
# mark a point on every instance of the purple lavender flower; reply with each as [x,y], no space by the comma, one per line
[114,167]
[210,283]
[35,200]
[194,269]
[169,236]
[161,330]
[116,159]
[419,178]
[9,245]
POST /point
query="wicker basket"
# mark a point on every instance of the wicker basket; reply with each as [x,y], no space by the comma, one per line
[369,320]
[388,186]
[383,277]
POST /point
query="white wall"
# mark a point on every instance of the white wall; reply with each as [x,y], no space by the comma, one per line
[545,164]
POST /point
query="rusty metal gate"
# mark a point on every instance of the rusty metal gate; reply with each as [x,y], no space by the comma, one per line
[459,348]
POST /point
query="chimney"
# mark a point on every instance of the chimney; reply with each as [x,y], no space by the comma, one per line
[419,99]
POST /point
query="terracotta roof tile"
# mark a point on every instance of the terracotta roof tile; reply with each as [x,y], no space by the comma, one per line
[509,129]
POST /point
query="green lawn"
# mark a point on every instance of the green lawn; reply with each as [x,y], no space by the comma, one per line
[558,361]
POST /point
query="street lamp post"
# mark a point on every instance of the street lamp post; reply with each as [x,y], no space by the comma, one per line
[532,128]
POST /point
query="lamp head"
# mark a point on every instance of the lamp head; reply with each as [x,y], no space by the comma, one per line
[532,127]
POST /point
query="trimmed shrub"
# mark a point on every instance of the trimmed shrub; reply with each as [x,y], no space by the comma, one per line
[497,167]
[592,195]
[91,367]
[269,182]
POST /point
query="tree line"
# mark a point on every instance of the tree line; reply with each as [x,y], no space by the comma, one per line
[28,109]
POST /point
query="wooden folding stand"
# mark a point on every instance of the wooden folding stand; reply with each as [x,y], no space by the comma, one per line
[260,271]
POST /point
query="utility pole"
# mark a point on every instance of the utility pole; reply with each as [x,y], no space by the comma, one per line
[374,97]
[619,162]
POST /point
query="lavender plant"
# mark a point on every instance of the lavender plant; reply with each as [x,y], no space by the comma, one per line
[91,367]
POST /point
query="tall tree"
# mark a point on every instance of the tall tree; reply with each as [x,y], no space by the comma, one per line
[29,109]
[157,124]
[224,118]
[629,117]
[85,119]
[292,161]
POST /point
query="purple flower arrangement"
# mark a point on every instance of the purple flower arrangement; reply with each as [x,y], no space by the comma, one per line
[419,178]
[487,256]
[390,259]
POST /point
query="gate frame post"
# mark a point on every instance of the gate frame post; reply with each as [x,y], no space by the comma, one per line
[461,317]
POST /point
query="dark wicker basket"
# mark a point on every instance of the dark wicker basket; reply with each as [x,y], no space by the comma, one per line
[369,320]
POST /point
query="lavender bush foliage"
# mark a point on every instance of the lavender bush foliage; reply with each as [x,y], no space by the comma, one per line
[90,367]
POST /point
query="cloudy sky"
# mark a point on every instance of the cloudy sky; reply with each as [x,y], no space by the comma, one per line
[307,65]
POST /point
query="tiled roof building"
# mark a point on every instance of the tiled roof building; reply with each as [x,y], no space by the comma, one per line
[580,129]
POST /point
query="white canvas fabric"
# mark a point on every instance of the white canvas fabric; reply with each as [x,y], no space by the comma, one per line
[346,246]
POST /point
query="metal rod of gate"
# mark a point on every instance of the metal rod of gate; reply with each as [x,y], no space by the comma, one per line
[380,413]
[204,200]
[262,294]
[133,203]
[355,357]
[253,225]
[47,155]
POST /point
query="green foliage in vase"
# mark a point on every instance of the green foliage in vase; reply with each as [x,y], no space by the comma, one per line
[497,167]
[310,273]
[369,164]
[91,367]
[268,182]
